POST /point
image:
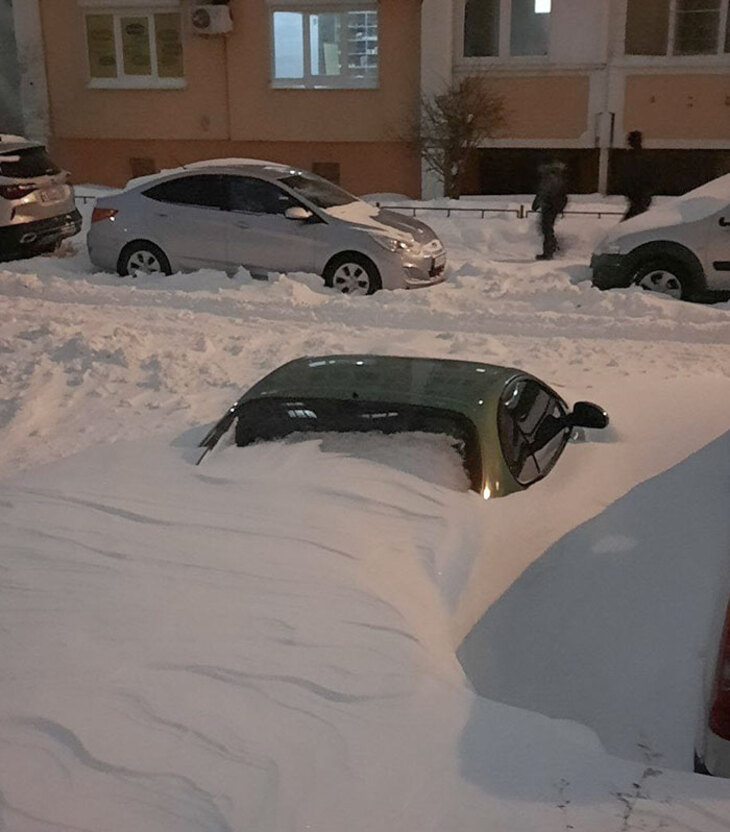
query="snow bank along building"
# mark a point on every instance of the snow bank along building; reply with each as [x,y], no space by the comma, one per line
[121,88]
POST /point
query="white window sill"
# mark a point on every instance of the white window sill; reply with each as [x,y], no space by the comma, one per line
[136,84]
[124,4]
[507,60]
[704,61]
[301,85]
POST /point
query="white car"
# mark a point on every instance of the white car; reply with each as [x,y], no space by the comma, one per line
[681,248]
[37,207]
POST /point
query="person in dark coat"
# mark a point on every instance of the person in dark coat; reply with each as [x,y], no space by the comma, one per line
[550,200]
[637,179]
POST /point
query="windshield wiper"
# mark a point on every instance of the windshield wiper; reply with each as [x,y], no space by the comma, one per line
[211,439]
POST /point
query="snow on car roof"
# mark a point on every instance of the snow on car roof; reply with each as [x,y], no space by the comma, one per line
[694,206]
[232,162]
[719,188]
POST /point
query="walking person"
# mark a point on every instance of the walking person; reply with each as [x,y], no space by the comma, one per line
[550,200]
[637,186]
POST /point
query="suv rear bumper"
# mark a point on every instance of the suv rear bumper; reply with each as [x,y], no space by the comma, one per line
[25,239]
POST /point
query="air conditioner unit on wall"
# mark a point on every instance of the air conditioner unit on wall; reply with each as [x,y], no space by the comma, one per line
[210,20]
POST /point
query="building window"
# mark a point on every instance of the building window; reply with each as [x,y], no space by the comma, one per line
[529,31]
[677,27]
[481,28]
[135,49]
[325,49]
[506,28]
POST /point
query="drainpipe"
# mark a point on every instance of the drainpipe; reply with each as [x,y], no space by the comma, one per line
[437,67]
[32,64]
[607,121]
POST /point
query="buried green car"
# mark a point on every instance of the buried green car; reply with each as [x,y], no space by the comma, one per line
[509,427]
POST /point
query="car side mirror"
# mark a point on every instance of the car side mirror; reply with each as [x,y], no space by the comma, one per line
[587,415]
[296,212]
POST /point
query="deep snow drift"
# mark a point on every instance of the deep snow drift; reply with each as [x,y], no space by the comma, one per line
[268,641]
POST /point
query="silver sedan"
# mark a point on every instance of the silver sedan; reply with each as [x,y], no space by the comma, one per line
[265,217]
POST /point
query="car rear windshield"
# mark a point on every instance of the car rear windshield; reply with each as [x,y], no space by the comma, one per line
[317,190]
[274,418]
[27,163]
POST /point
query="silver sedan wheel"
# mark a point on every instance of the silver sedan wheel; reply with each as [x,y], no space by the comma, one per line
[663,281]
[143,262]
[351,279]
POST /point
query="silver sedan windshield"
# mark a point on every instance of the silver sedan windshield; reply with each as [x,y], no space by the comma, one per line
[318,191]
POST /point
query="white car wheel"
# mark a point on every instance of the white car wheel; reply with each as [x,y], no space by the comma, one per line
[351,279]
[143,258]
[352,274]
[662,281]
[143,262]
[664,275]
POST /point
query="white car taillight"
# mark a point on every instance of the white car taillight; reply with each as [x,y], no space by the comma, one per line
[99,214]
[16,191]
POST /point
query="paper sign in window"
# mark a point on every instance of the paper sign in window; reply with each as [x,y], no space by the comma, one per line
[136,45]
[100,45]
[169,46]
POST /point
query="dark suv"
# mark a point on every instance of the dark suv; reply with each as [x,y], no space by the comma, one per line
[37,207]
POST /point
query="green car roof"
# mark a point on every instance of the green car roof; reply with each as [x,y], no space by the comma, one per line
[469,389]
[464,386]
[460,398]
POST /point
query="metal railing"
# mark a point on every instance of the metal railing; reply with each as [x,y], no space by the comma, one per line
[521,212]
[449,210]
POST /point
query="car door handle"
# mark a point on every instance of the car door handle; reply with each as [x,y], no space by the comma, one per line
[161,214]
[241,225]
[724,222]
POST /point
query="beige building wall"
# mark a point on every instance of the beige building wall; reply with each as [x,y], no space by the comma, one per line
[543,107]
[196,112]
[365,167]
[679,106]
[228,107]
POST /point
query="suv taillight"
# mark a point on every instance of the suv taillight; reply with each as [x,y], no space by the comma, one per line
[720,709]
[99,214]
[16,191]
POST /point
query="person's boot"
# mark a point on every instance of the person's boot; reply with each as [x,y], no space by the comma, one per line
[543,256]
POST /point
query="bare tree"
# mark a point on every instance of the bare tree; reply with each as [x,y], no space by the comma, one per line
[452,124]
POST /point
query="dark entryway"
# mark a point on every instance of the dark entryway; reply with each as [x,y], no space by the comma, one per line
[515,170]
[671,172]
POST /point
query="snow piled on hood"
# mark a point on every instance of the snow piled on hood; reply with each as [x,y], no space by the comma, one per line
[366,215]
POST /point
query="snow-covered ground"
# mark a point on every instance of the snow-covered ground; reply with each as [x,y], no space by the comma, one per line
[269,641]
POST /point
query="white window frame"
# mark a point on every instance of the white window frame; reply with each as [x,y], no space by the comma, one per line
[504,40]
[318,82]
[670,55]
[126,82]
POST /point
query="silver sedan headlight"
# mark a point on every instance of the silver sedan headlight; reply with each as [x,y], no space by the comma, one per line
[394,243]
